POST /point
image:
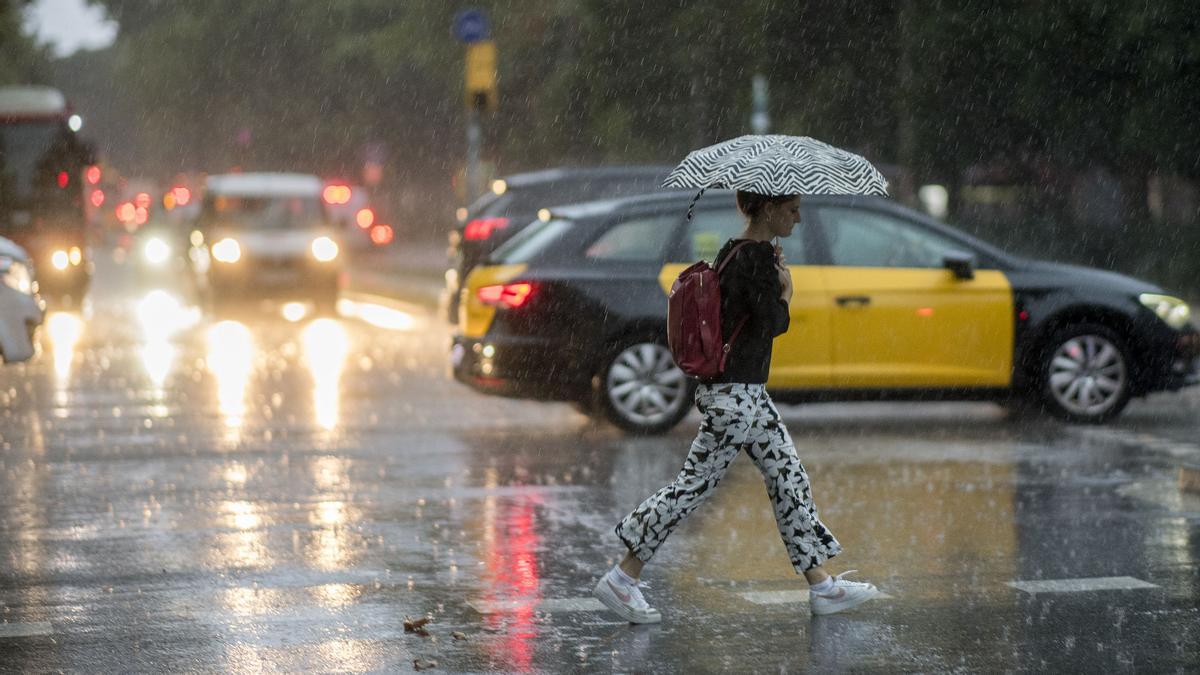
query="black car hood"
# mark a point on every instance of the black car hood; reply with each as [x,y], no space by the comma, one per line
[1039,272]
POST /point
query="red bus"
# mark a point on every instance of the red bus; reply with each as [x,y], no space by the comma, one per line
[42,184]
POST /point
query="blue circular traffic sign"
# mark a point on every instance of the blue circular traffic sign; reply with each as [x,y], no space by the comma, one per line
[470,25]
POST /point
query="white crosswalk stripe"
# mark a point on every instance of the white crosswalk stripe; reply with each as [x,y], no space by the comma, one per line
[18,630]
[1080,585]
[787,597]
[800,596]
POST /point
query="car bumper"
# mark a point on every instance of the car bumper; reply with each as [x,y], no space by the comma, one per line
[20,315]
[1185,367]
[73,280]
[273,281]
[519,367]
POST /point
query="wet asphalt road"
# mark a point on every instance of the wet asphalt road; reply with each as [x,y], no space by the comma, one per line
[182,492]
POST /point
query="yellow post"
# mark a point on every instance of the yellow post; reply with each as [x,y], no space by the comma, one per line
[481,75]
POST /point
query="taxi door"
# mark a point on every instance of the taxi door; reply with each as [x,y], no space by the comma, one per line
[900,318]
[800,358]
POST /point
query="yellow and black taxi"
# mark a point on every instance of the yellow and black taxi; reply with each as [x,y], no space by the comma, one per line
[888,304]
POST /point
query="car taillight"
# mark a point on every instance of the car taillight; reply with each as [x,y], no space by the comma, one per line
[507,295]
[482,228]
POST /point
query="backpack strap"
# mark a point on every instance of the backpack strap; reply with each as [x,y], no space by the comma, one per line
[727,347]
[729,256]
[741,324]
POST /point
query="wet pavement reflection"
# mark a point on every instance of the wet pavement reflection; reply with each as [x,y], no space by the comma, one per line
[269,490]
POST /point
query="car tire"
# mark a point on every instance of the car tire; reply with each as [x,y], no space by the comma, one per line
[1085,374]
[641,390]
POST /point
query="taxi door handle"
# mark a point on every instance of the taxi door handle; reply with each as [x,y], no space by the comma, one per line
[853,300]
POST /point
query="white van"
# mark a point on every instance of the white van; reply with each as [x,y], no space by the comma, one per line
[268,235]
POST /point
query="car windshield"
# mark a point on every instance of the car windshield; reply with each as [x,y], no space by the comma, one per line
[26,150]
[36,158]
[262,213]
[531,241]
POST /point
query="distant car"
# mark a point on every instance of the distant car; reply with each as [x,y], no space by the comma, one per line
[267,235]
[21,310]
[888,304]
[515,201]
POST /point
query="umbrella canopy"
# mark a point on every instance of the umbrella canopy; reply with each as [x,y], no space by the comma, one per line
[778,165]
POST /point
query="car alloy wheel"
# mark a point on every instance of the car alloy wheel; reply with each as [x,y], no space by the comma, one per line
[1087,376]
[644,390]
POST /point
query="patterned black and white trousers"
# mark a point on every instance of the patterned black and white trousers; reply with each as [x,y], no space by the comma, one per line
[736,417]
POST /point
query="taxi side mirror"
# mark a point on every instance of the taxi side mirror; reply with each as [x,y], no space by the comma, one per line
[961,263]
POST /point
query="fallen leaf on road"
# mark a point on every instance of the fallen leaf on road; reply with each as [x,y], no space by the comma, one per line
[414,625]
[458,635]
[424,664]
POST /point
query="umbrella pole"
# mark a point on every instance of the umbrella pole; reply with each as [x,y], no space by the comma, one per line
[693,204]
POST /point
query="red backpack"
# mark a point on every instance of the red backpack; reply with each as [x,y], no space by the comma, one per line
[694,319]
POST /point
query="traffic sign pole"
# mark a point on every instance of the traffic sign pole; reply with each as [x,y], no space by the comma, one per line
[471,28]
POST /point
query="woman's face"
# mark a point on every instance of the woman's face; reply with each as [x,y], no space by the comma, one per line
[782,217]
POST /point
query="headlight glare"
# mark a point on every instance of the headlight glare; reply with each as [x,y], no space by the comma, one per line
[156,251]
[227,250]
[324,249]
[15,275]
[60,259]
[1173,311]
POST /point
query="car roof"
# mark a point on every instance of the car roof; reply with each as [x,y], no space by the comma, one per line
[605,206]
[518,180]
[265,184]
[31,100]
[9,248]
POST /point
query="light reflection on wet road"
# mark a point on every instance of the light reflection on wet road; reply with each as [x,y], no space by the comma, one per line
[259,492]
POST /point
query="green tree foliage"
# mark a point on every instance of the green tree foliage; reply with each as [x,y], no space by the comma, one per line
[935,86]
[21,61]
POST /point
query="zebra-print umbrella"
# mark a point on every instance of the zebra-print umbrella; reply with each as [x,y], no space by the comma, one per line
[778,165]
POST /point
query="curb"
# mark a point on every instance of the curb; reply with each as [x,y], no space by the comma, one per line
[413,273]
[424,291]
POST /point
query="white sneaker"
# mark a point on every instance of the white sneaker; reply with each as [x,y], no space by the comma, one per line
[843,595]
[625,599]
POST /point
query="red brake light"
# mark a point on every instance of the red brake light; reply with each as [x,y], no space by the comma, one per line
[63,179]
[382,234]
[482,228]
[508,295]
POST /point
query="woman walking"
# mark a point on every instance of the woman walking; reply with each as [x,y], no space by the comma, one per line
[756,287]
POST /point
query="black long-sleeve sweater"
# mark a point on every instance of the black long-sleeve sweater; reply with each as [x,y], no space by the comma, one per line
[750,287]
